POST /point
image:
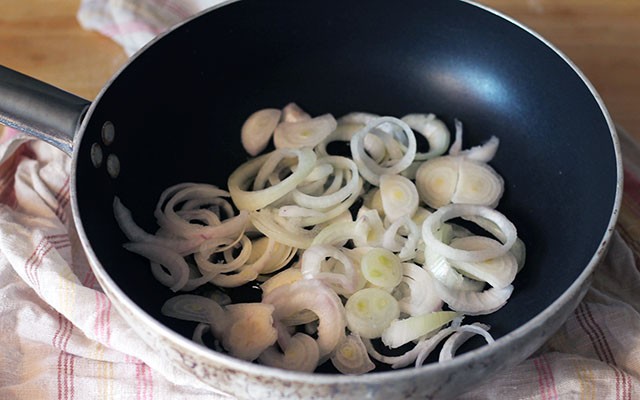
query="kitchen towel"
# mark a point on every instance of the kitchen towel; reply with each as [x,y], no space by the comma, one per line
[62,339]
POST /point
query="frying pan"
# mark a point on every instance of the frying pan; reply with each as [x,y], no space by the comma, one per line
[175,112]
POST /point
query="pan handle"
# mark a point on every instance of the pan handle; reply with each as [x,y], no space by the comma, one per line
[39,109]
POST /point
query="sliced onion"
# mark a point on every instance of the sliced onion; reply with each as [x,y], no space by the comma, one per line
[342,133]
[293,211]
[284,277]
[304,133]
[369,169]
[333,267]
[437,179]
[240,179]
[330,213]
[433,129]
[474,303]
[381,268]
[258,129]
[172,261]
[267,256]
[293,113]
[405,246]
[456,146]
[209,248]
[463,333]
[136,234]
[370,311]
[369,228]
[418,293]
[166,213]
[272,254]
[478,183]
[358,117]
[435,220]
[442,270]
[280,229]
[250,330]
[422,349]
[336,234]
[498,272]
[518,249]
[313,295]
[189,307]
[301,354]
[399,196]
[199,332]
[331,198]
[403,331]
[351,358]
[484,152]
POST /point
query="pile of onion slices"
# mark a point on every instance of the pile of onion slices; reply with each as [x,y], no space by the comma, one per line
[359,258]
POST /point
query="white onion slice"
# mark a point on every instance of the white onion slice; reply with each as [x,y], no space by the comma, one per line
[136,234]
[249,331]
[172,261]
[435,220]
[330,213]
[474,303]
[279,228]
[418,293]
[332,266]
[336,234]
[399,196]
[403,331]
[518,249]
[442,270]
[406,247]
[437,179]
[331,197]
[313,295]
[370,311]
[433,129]
[209,248]
[456,146]
[369,229]
[484,152]
[304,133]
[381,268]
[369,169]
[351,357]
[293,113]
[293,211]
[478,183]
[498,272]
[301,354]
[240,179]
[258,129]
[190,307]
[463,333]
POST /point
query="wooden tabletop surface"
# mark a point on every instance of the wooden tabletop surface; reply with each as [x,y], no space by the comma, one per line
[42,38]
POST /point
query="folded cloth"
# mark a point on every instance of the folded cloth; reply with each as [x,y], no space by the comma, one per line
[61,336]
[133,23]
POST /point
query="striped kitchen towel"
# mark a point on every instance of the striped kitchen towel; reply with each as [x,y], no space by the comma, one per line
[61,338]
[133,23]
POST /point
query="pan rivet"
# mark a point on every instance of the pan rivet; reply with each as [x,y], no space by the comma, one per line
[96,155]
[113,165]
[108,133]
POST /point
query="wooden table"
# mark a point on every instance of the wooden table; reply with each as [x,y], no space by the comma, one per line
[42,38]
